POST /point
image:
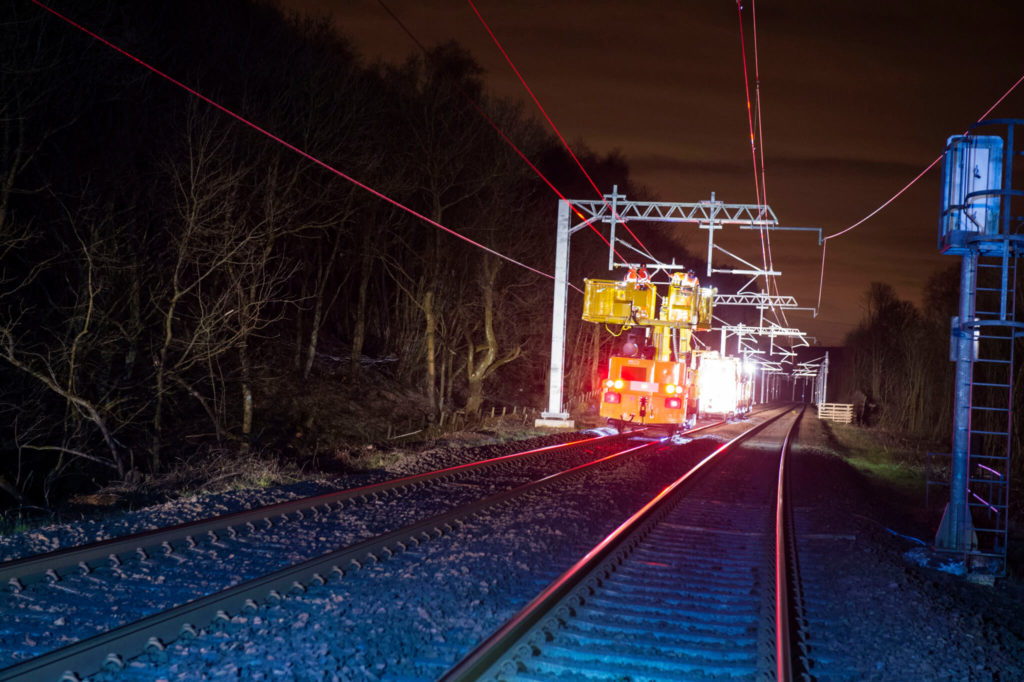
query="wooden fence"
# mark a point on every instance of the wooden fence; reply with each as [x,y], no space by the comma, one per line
[836,412]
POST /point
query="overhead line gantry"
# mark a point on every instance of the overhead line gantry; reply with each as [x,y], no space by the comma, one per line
[711,215]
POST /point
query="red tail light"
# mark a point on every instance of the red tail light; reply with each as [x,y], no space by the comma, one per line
[610,397]
[673,403]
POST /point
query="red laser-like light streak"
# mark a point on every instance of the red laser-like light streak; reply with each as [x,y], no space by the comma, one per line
[753,149]
[501,133]
[760,136]
[764,176]
[290,146]
[553,126]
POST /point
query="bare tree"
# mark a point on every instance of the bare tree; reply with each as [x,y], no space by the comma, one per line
[61,366]
[203,316]
[482,358]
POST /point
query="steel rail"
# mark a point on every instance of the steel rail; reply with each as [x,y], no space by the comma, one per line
[490,654]
[784,571]
[20,572]
[111,648]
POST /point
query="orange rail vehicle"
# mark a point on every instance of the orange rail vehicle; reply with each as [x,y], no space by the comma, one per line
[651,381]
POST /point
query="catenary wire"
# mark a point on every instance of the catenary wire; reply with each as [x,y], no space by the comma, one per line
[500,132]
[764,179]
[753,149]
[555,128]
[821,278]
[292,147]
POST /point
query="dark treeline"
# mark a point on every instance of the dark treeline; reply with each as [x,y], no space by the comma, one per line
[898,361]
[160,262]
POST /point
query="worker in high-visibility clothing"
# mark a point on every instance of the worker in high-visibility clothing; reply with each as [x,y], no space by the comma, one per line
[684,279]
[638,278]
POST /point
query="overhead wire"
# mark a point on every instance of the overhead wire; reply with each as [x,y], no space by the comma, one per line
[756,151]
[556,130]
[297,150]
[753,145]
[824,243]
[764,180]
[500,132]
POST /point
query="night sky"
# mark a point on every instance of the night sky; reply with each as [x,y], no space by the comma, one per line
[857,96]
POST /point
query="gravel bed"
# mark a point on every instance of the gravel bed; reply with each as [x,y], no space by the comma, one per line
[904,621]
[897,620]
[43,617]
[413,616]
[57,536]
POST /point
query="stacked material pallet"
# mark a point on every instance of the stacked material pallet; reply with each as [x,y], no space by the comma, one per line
[837,412]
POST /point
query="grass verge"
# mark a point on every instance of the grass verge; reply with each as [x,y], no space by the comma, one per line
[894,460]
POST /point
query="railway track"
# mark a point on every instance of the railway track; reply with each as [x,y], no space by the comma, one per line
[53,566]
[694,584]
[132,564]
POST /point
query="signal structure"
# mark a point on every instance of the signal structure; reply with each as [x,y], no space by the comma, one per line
[980,220]
[710,215]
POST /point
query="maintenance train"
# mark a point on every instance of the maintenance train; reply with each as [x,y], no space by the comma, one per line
[659,379]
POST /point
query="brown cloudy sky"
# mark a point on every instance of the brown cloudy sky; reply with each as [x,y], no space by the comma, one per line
[858,96]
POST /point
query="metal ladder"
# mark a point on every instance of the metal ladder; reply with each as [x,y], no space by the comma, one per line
[991,406]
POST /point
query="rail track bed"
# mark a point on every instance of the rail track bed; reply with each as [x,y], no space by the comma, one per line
[691,596]
[70,594]
[685,590]
[72,604]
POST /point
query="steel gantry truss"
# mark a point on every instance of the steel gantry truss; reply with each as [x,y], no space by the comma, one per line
[756,299]
[711,215]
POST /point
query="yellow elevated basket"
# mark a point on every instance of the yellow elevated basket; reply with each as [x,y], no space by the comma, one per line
[607,300]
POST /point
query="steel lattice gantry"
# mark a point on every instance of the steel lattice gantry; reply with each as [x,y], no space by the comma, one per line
[613,209]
